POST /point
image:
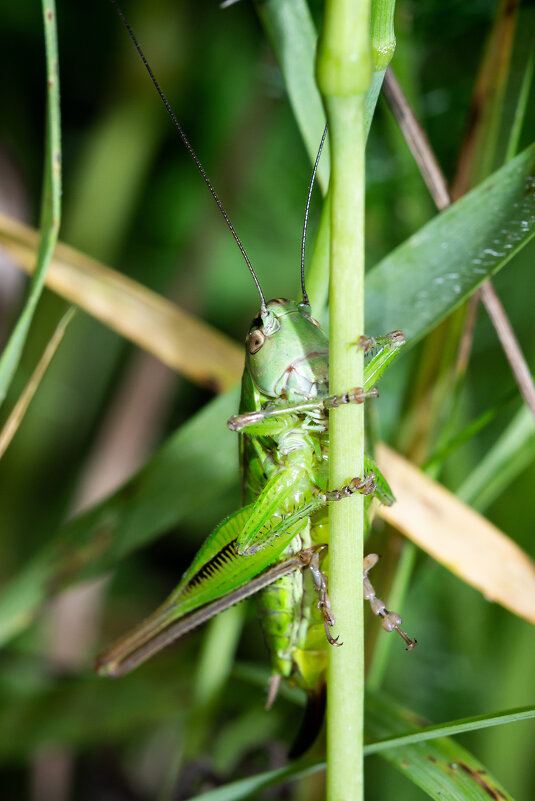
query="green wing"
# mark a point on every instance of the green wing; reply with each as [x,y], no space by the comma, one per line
[217,578]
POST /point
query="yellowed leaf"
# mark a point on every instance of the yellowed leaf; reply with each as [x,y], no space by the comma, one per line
[457,536]
[149,320]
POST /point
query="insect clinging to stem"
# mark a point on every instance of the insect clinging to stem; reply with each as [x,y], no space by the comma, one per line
[277,544]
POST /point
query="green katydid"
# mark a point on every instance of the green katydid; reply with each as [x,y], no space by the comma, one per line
[276,545]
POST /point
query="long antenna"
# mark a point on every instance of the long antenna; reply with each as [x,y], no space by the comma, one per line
[303,240]
[191,151]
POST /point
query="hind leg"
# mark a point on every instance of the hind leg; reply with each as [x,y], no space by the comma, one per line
[391,620]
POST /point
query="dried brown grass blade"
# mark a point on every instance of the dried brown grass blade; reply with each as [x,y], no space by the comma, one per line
[457,536]
[157,325]
[14,420]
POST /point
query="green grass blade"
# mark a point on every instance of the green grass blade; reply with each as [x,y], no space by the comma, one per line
[435,270]
[427,756]
[383,41]
[441,767]
[245,788]
[461,726]
[470,430]
[510,455]
[50,204]
[424,279]
[290,30]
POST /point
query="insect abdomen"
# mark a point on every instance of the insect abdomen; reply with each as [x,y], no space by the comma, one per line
[292,624]
[280,624]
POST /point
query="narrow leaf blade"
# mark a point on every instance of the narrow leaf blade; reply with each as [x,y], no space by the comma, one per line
[50,204]
[434,271]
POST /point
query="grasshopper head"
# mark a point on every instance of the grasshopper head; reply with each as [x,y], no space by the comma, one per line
[287,352]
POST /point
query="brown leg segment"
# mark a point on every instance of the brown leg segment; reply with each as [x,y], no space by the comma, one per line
[368,344]
[391,620]
[366,486]
[311,559]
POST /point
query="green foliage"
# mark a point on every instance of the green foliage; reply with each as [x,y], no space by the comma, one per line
[163,493]
[50,203]
[132,198]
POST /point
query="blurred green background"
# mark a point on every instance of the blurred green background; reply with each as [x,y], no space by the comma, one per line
[133,199]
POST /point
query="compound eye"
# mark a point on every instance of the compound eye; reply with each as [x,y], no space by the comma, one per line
[255,341]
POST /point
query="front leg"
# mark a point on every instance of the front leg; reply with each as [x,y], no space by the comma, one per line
[263,422]
[381,351]
[270,422]
[394,339]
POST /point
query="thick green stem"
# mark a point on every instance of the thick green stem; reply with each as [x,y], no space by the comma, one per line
[344,71]
[346,664]
[383,45]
